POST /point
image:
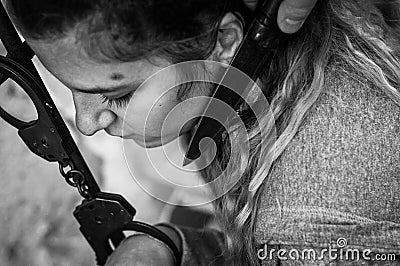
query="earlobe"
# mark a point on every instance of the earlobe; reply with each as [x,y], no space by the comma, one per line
[230,35]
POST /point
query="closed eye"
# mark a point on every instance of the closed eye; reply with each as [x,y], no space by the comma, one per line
[117,103]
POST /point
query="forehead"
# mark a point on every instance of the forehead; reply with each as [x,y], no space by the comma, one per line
[67,59]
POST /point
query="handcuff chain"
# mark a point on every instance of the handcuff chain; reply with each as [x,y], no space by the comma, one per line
[76,178]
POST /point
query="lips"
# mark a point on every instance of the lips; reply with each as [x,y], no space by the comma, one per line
[145,142]
[152,142]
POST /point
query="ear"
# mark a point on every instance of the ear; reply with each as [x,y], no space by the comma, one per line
[230,35]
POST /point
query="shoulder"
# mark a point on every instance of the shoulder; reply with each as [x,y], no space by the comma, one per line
[351,117]
[341,164]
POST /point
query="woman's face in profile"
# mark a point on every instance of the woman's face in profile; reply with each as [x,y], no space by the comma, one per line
[92,81]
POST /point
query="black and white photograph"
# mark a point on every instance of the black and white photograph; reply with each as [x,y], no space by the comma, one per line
[199,132]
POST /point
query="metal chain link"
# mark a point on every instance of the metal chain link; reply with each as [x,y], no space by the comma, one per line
[75,178]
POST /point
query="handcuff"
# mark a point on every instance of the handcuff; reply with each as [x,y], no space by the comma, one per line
[103,217]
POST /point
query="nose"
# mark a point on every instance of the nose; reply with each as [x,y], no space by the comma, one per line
[91,115]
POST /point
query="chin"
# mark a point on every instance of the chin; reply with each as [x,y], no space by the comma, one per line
[152,142]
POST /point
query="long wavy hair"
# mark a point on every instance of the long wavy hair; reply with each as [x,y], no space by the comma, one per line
[361,34]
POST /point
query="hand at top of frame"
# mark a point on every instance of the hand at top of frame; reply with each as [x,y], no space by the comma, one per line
[291,14]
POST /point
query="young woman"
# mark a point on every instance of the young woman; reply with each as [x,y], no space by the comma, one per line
[335,176]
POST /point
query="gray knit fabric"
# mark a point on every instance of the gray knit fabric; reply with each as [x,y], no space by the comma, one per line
[338,178]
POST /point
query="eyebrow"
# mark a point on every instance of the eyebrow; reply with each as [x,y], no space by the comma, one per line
[100,90]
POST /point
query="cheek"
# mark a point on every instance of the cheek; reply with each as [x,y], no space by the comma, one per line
[147,115]
[180,118]
[155,111]
[164,116]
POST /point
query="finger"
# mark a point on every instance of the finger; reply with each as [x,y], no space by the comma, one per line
[293,13]
[251,4]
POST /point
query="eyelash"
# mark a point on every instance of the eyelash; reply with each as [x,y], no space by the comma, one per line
[120,102]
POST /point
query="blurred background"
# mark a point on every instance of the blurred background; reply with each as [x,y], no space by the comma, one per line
[36,204]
